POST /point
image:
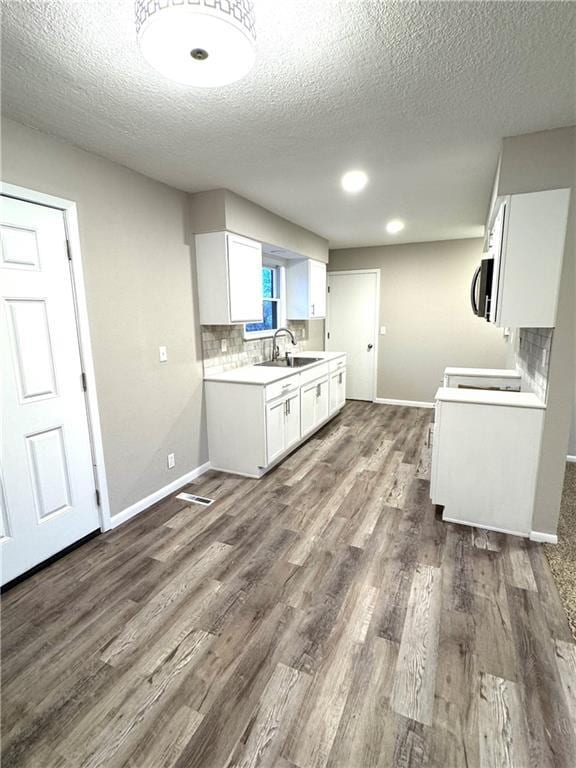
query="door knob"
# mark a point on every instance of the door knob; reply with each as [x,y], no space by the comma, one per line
[370,346]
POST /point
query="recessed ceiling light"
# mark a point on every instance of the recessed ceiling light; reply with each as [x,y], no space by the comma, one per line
[354,181]
[201,43]
[394,226]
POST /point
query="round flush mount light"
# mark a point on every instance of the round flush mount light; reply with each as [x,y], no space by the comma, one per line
[394,226]
[354,181]
[197,42]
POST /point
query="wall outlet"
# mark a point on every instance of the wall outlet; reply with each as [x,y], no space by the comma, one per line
[163,354]
[223,345]
[171,461]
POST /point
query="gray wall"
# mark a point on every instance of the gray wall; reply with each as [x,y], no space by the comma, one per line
[529,163]
[425,306]
[219,209]
[139,280]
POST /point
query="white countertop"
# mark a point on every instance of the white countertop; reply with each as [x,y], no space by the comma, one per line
[489,373]
[262,374]
[489,397]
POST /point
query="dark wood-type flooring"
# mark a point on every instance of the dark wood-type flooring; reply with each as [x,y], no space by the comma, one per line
[321,616]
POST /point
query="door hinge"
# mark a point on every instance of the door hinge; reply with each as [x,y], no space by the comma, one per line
[328,335]
[97,497]
[84,382]
[68,250]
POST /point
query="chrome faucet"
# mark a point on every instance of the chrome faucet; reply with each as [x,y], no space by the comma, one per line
[275,347]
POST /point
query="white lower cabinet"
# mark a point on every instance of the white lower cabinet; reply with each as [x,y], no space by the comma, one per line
[484,464]
[314,399]
[337,390]
[251,426]
[282,426]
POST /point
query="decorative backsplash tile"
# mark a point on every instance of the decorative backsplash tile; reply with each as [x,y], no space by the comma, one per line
[241,352]
[533,350]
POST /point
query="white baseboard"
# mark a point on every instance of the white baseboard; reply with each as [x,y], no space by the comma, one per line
[494,528]
[161,493]
[409,403]
[549,538]
[571,458]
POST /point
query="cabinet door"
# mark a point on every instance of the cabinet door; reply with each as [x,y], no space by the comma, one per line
[244,279]
[317,289]
[322,400]
[275,433]
[337,390]
[308,408]
[292,420]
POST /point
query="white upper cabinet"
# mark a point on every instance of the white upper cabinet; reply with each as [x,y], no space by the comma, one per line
[527,243]
[229,278]
[305,289]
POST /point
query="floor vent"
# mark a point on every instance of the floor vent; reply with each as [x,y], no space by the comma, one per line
[190,497]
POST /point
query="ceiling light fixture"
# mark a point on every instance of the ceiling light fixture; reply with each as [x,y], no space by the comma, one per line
[394,226]
[354,181]
[204,43]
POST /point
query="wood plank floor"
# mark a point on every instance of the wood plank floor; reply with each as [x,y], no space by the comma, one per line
[323,616]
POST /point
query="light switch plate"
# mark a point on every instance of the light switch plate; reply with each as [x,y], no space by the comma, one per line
[171,461]
[382,330]
[163,354]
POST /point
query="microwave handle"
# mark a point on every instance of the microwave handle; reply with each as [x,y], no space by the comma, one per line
[473,290]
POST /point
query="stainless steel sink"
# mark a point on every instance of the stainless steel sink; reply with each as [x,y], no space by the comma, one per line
[292,362]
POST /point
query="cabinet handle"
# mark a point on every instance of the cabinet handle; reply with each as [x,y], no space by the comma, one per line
[317,390]
[313,313]
[340,379]
[288,409]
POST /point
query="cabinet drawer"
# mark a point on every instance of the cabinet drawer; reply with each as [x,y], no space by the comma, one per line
[282,387]
[335,365]
[314,373]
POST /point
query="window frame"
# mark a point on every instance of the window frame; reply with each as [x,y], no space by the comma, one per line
[280,300]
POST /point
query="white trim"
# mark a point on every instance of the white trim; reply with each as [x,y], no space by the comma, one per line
[68,208]
[377,272]
[161,493]
[410,403]
[548,538]
[524,535]
[571,458]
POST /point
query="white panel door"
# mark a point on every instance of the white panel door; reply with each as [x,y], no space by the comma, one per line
[244,279]
[275,439]
[292,420]
[47,491]
[351,324]
[317,288]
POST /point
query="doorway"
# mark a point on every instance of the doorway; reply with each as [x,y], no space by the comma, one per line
[50,467]
[352,327]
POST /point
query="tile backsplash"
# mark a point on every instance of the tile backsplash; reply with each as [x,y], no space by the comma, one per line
[241,352]
[533,349]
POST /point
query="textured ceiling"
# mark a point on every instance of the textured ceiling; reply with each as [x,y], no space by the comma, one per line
[416,94]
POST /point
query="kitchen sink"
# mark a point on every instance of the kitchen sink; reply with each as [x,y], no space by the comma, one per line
[292,362]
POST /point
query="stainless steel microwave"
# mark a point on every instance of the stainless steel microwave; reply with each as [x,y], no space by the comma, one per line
[481,288]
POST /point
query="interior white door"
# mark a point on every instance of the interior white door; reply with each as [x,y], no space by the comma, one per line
[47,490]
[245,279]
[351,327]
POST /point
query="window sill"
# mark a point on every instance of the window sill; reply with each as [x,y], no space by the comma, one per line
[252,335]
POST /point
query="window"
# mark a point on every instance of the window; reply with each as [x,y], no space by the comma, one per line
[271,305]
